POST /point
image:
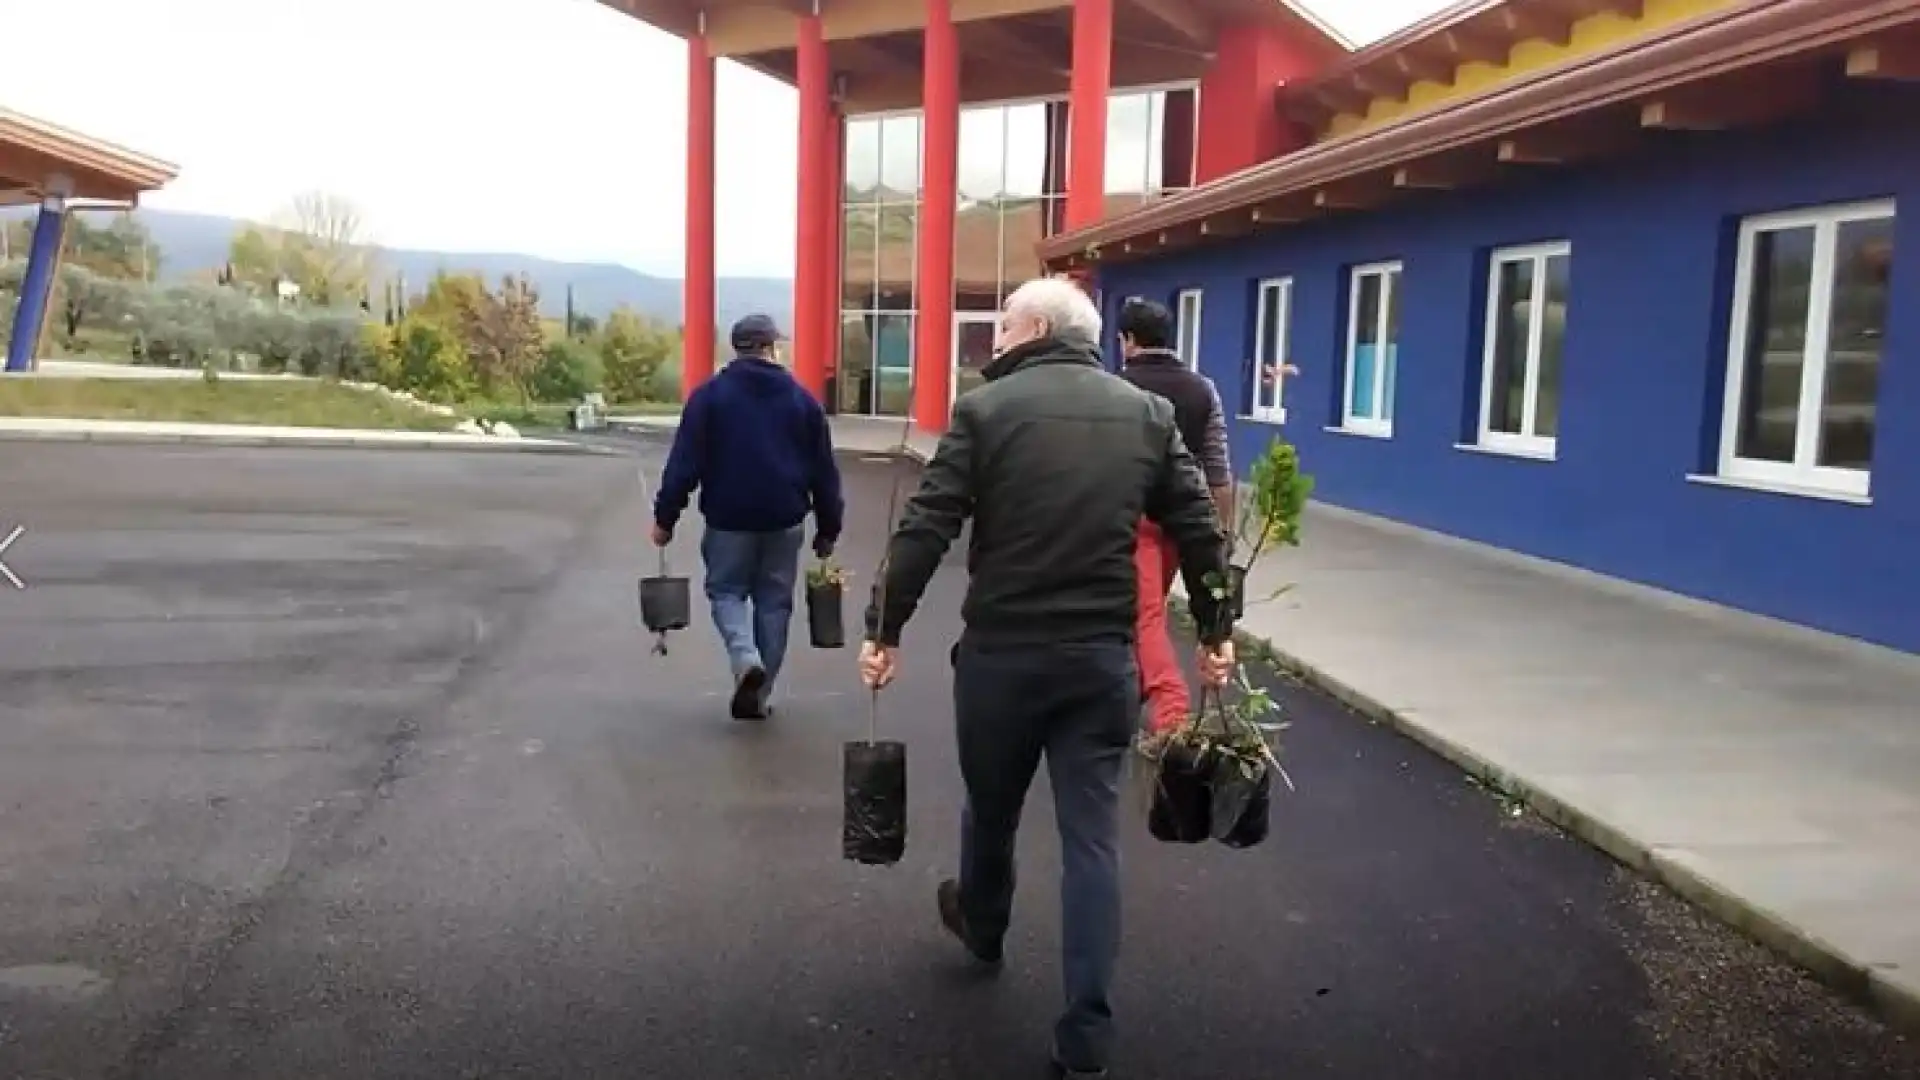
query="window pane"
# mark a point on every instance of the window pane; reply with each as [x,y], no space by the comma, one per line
[863,160]
[1362,365]
[1507,379]
[900,158]
[1775,345]
[1390,349]
[1026,150]
[1271,354]
[1863,255]
[1128,120]
[1553,338]
[893,286]
[1154,165]
[982,161]
[893,363]
[857,262]
[1021,223]
[854,381]
[976,258]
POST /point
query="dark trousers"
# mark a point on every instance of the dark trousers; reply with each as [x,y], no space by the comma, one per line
[1078,704]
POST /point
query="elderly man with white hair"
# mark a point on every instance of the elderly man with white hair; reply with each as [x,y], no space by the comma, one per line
[1056,461]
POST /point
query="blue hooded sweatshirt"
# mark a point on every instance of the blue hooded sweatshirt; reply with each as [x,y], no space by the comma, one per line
[758,447]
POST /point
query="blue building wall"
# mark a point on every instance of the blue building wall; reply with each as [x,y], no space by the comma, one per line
[1653,248]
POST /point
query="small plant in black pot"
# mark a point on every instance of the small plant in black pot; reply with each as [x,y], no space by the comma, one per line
[826,598]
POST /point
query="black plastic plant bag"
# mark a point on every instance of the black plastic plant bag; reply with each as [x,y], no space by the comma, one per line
[1182,808]
[874,828]
[826,617]
[1240,802]
[666,603]
[1237,592]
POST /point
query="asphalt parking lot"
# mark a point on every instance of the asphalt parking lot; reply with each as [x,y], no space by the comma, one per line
[353,764]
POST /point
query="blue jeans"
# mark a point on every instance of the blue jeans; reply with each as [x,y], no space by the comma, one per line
[1075,703]
[751,578]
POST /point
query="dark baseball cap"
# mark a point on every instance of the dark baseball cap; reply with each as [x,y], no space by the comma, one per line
[756,332]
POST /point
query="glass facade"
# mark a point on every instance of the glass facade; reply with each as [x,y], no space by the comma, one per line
[1011,195]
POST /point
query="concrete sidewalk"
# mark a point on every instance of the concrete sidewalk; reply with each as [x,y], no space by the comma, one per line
[1767,772]
[145,431]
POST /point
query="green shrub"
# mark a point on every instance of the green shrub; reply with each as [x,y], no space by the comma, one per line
[632,350]
[567,370]
[426,360]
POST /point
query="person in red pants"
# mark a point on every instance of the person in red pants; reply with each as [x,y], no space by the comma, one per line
[1146,341]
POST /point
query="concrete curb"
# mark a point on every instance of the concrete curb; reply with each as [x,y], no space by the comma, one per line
[243,439]
[1898,1004]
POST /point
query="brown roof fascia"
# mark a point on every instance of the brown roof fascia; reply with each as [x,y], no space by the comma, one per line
[70,148]
[1711,45]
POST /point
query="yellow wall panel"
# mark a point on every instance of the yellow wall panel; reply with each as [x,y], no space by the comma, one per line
[1593,34]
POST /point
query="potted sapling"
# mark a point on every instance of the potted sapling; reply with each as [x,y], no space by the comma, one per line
[1213,775]
[826,600]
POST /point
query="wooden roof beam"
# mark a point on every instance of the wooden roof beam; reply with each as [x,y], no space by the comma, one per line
[1181,17]
[1005,44]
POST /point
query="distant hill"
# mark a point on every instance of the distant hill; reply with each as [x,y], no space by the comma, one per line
[197,243]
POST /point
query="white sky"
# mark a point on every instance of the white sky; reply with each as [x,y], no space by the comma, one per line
[550,127]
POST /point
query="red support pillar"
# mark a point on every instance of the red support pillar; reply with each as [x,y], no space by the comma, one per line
[830,288]
[810,259]
[1240,123]
[698,316]
[940,168]
[1087,93]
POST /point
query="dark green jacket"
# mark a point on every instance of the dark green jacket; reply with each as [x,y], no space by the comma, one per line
[1055,461]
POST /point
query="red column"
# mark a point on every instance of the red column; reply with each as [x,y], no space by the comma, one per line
[939,199]
[810,261]
[1240,123]
[830,288]
[697,315]
[1087,94]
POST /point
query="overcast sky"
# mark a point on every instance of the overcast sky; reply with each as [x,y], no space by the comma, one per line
[552,127]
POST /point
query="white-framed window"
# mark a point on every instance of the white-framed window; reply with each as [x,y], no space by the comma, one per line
[1373,344]
[1186,327]
[1272,338]
[1804,347]
[1526,336]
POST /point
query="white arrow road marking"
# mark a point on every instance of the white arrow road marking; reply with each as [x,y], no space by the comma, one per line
[5,570]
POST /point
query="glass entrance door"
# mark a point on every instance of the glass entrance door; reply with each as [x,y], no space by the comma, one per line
[972,349]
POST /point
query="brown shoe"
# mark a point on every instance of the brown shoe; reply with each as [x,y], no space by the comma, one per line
[951,917]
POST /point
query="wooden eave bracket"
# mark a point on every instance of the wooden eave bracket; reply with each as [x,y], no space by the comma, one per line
[1561,145]
[1719,104]
[1894,57]
[1444,173]
[1555,27]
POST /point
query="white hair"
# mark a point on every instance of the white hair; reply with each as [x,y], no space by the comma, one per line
[1066,308]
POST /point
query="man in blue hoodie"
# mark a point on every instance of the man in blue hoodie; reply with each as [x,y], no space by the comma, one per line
[758,447]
